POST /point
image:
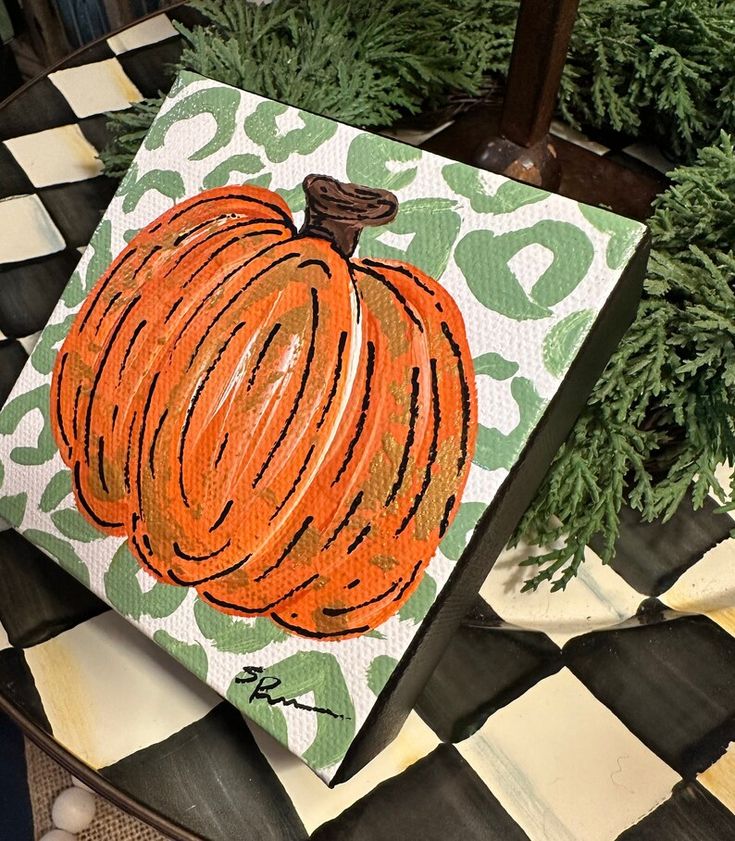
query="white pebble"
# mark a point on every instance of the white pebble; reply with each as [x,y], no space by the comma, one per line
[58,835]
[73,810]
[79,784]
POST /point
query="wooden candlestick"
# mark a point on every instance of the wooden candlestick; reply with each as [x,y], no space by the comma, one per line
[524,150]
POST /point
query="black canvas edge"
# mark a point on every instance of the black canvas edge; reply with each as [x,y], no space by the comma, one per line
[498,521]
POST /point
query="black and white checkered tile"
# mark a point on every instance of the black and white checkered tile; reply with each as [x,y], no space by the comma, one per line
[602,713]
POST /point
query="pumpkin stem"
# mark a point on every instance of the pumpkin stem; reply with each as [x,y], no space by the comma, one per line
[337,211]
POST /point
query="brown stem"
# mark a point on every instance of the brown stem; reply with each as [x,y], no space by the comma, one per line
[338,212]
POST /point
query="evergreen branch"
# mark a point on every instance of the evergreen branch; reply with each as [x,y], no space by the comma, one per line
[658,68]
[662,417]
[366,64]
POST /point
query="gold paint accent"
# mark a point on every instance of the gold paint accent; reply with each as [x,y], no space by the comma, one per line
[401,396]
[372,492]
[115,479]
[308,545]
[382,306]
[380,479]
[398,391]
[384,562]
[392,448]
[325,624]
[269,496]
[443,484]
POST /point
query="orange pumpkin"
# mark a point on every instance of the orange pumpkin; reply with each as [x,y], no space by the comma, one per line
[283,428]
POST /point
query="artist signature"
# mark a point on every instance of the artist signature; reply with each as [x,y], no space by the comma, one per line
[267,684]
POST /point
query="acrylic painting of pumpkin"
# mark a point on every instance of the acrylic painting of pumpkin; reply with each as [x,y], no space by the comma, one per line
[266,418]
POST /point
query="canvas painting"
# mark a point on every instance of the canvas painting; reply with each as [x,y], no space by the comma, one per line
[295,365]
[283,428]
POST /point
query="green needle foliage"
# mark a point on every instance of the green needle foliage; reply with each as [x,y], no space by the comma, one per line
[662,416]
[660,69]
[364,63]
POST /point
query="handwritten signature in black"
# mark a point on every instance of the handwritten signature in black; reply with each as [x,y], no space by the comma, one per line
[266,684]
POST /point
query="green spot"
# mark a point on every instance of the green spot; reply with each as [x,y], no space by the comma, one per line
[483,258]
[128,180]
[234,635]
[74,292]
[13,508]
[495,366]
[130,235]
[510,195]
[261,127]
[271,719]
[71,524]
[294,197]
[375,161]
[263,180]
[318,676]
[44,353]
[563,341]
[432,226]
[183,80]
[62,551]
[57,489]
[495,449]
[164,181]
[379,671]
[125,594]
[36,400]
[420,601]
[191,655]
[458,534]
[220,103]
[623,233]
[222,173]
[101,245]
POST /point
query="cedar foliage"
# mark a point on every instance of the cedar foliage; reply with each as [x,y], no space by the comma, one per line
[657,69]
[662,416]
[364,63]
[660,69]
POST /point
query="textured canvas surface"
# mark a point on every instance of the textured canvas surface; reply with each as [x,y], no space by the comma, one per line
[529,272]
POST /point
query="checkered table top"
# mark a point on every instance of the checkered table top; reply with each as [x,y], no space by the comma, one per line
[605,712]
